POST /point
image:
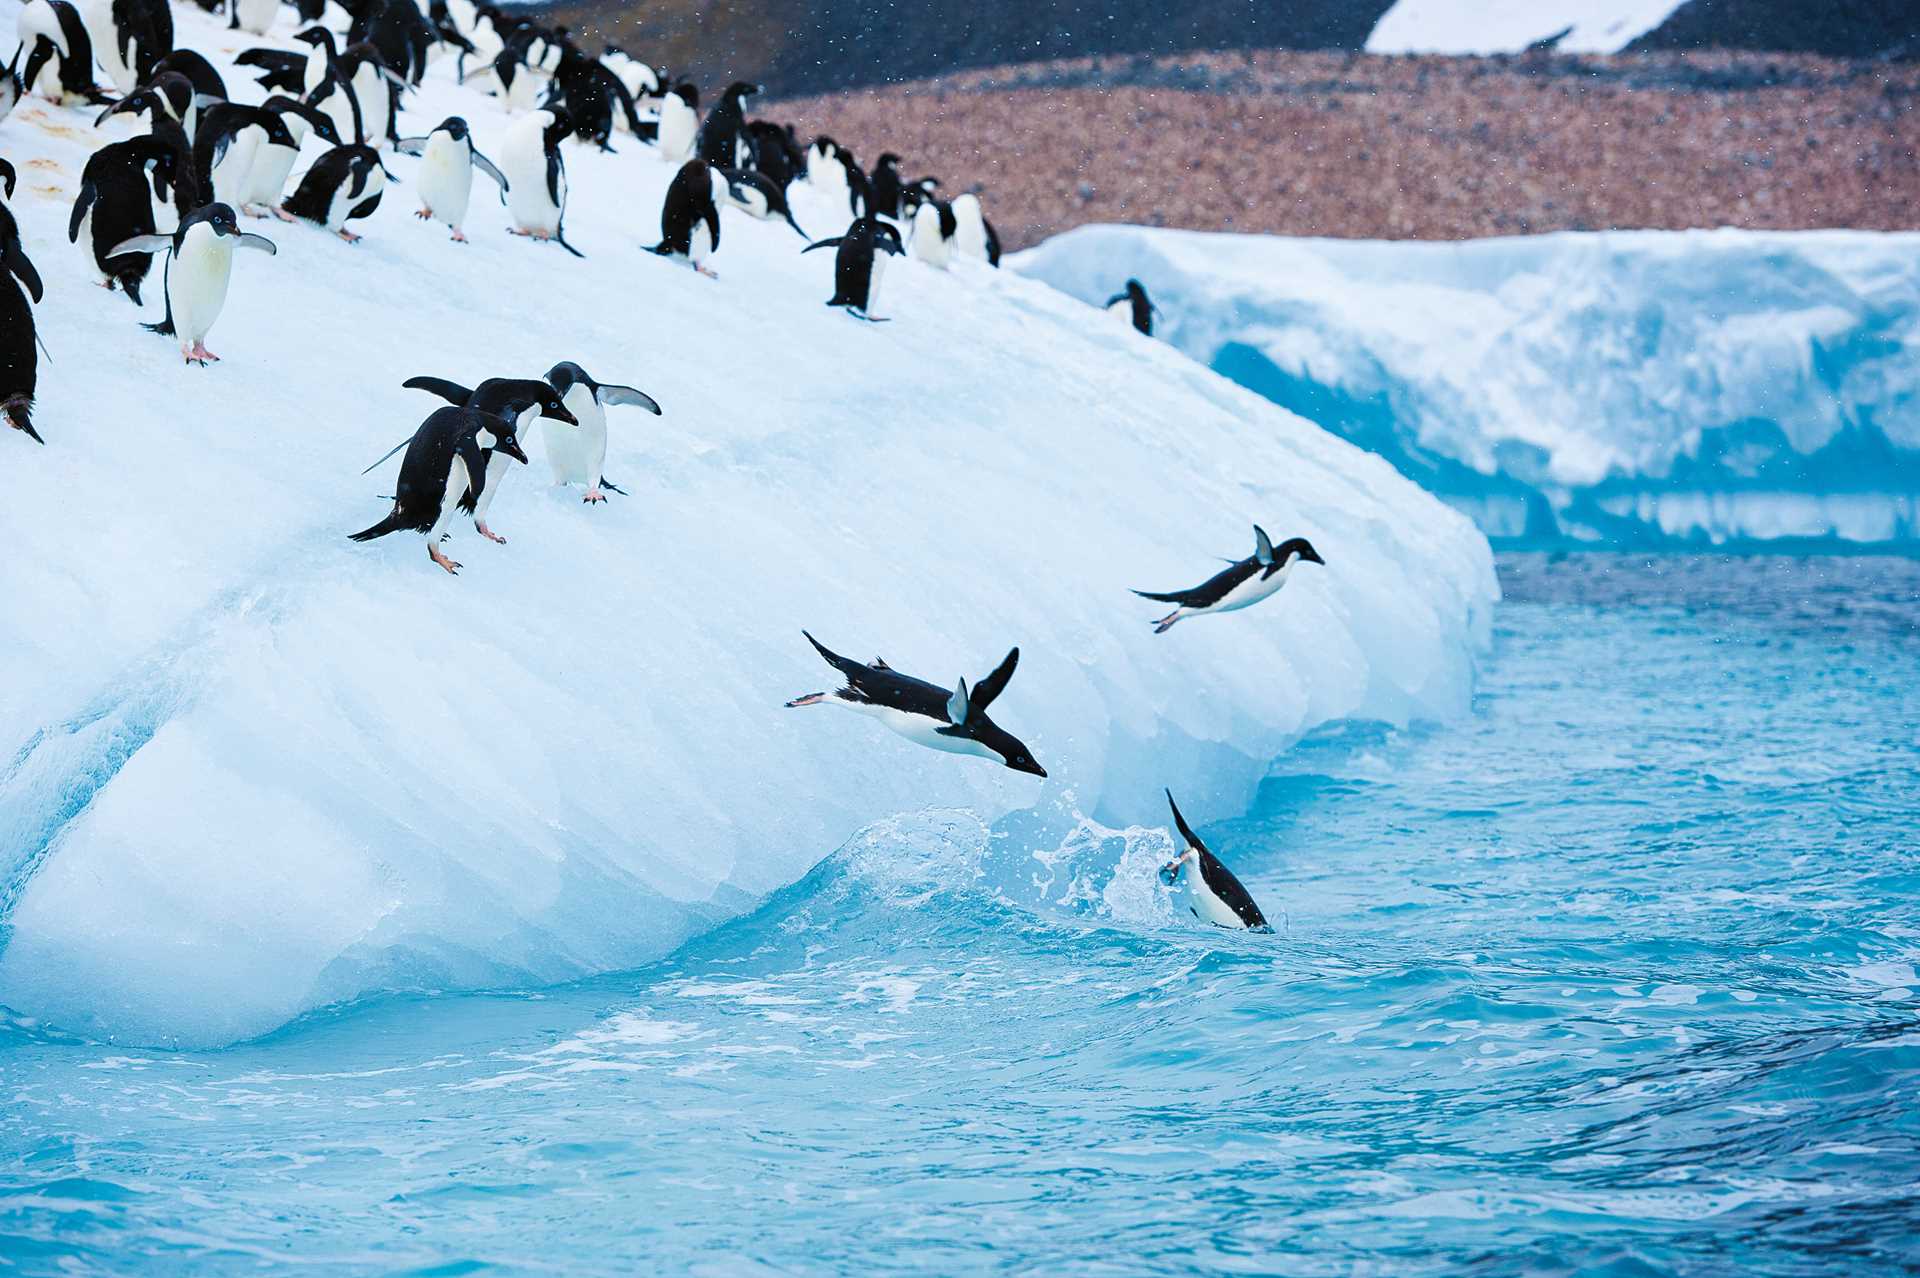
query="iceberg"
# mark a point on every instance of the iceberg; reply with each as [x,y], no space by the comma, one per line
[249,768]
[1629,388]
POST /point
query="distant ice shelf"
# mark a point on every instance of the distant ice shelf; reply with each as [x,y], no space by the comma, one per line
[1625,388]
[1508,26]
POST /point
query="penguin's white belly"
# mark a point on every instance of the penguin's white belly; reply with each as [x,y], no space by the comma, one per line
[928,244]
[678,126]
[525,90]
[1122,311]
[1208,907]
[341,206]
[970,233]
[1250,592]
[523,158]
[577,453]
[232,176]
[39,20]
[256,16]
[376,106]
[197,282]
[450,502]
[498,464]
[339,108]
[85,240]
[445,179]
[921,730]
[97,18]
[267,180]
[700,243]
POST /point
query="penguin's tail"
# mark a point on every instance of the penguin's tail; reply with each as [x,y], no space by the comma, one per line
[560,238]
[391,523]
[1158,598]
[164,327]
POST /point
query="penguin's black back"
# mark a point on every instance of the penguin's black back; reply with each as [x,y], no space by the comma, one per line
[689,201]
[19,365]
[424,470]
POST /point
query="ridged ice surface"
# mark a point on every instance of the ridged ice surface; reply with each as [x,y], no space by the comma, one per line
[1643,387]
[1617,977]
[248,768]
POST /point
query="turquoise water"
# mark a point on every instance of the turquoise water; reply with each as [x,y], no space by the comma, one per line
[1615,977]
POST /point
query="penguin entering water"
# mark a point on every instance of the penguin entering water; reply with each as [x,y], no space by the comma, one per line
[926,714]
[517,400]
[859,265]
[19,362]
[723,136]
[1140,308]
[446,457]
[342,186]
[536,176]
[1215,896]
[758,196]
[445,177]
[690,220]
[1241,584]
[114,206]
[199,267]
[577,452]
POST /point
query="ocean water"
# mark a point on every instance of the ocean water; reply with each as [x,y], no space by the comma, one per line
[1616,976]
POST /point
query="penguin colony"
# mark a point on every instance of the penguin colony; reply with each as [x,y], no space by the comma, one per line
[177,192]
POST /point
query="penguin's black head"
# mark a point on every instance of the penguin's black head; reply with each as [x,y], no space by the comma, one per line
[319,37]
[220,218]
[888,160]
[518,394]
[505,440]
[565,375]
[454,127]
[688,94]
[1012,752]
[741,89]
[8,177]
[1292,548]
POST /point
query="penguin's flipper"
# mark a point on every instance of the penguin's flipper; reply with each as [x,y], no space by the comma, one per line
[411,146]
[453,392]
[81,203]
[1172,596]
[249,240]
[994,684]
[609,394]
[796,226]
[1117,297]
[835,242]
[14,258]
[488,167]
[1262,546]
[43,51]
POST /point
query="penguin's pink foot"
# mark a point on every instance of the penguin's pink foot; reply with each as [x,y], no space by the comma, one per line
[423,214]
[282,214]
[593,495]
[811,699]
[459,236]
[706,271]
[514,230]
[452,566]
[1165,623]
[347,235]
[490,534]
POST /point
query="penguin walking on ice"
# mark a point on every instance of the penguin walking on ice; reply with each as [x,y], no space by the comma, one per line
[690,220]
[925,713]
[448,158]
[577,452]
[343,185]
[19,362]
[199,268]
[1241,584]
[1140,308]
[446,457]
[758,196]
[974,236]
[859,264]
[536,176]
[1214,895]
[114,205]
[886,186]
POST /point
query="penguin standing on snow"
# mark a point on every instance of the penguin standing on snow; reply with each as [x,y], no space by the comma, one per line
[517,400]
[758,196]
[445,177]
[59,52]
[926,714]
[679,123]
[974,236]
[19,362]
[446,457]
[129,37]
[1215,896]
[199,268]
[690,220]
[1140,308]
[274,158]
[114,206]
[933,231]
[11,90]
[859,265]
[885,181]
[536,176]
[577,452]
[343,185]
[1239,585]
[723,136]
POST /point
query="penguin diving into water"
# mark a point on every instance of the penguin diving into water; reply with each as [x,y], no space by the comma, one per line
[446,457]
[199,268]
[926,714]
[577,452]
[445,178]
[1241,584]
[1215,896]
[1140,308]
[859,265]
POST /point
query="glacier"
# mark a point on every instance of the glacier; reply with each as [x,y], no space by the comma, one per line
[1627,387]
[249,769]
[1509,26]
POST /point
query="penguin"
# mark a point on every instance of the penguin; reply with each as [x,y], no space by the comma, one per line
[1140,308]
[508,79]
[722,143]
[859,265]
[679,123]
[199,267]
[925,714]
[255,17]
[350,85]
[19,362]
[273,161]
[226,146]
[208,87]
[758,196]
[536,176]
[1214,895]
[690,220]
[933,230]
[970,231]
[129,37]
[114,206]
[280,71]
[59,52]
[445,458]
[517,400]
[826,171]
[776,152]
[162,102]
[577,453]
[445,177]
[398,31]
[342,186]
[885,181]
[1241,584]
[11,90]
[859,189]
[591,92]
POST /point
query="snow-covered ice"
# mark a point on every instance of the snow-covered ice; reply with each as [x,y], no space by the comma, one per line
[1634,386]
[1508,26]
[251,768]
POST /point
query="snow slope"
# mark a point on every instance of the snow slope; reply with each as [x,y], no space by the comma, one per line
[1508,26]
[251,768]
[1630,386]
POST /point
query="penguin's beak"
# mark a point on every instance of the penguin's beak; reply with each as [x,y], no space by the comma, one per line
[1170,873]
[560,413]
[511,447]
[1029,767]
[1313,556]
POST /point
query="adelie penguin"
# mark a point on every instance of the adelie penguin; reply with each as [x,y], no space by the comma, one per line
[536,176]
[577,452]
[1139,308]
[199,268]
[11,90]
[934,227]
[445,177]
[343,185]
[19,361]
[689,219]
[758,196]
[446,457]
[1241,584]
[723,135]
[129,37]
[114,206]
[925,713]
[679,123]
[1214,895]
[859,265]
[59,52]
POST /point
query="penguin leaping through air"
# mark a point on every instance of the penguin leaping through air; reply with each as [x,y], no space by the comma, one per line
[1215,896]
[199,268]
[1140,308]
[445,179]
[577,452]
[445,458]
[926,714]
[859,265]
[1241,584]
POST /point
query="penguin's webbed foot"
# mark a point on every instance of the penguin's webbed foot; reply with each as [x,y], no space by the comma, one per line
[1165,623]
[707,271]
[489,534]
[282,214]
[811,699]
[593,495]
[423,214]
[347,235]
[452,566]
[459,236]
